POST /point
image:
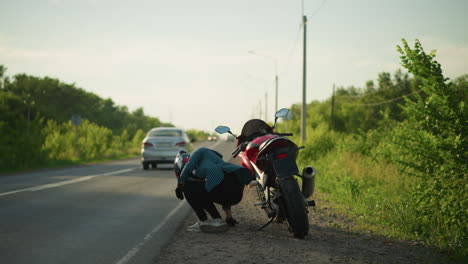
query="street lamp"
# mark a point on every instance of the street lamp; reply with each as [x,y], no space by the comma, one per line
[276,74]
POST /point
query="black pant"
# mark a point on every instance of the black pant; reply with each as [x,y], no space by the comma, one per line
[197,197]
[229,192]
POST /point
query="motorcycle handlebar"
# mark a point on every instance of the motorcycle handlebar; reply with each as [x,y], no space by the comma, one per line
[236,152]
[239,148]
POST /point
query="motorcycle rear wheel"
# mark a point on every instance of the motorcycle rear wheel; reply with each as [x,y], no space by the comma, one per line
[295,207]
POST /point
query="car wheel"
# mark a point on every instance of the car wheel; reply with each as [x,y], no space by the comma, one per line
[154,165]
[145,165]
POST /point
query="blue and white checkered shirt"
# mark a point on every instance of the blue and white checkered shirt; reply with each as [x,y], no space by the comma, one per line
[210,165]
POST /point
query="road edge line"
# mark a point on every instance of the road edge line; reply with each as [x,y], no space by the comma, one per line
[61,183]
[150,235]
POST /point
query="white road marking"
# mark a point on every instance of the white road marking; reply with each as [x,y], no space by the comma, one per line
[150,235]
[58,184]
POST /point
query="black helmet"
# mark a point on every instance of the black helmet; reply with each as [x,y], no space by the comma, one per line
[180,160]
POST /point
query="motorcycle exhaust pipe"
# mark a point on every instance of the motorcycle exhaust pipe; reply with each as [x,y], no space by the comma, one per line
[308,181]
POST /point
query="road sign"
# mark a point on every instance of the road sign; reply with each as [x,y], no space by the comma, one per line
[76,119]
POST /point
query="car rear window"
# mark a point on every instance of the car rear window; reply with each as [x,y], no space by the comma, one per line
[165,133]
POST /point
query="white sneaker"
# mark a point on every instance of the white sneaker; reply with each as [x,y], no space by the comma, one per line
[214,226]
[253,183]
[196,227]
[217,222]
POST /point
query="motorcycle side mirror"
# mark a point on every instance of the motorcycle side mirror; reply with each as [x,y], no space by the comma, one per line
[222,129]
[283,112]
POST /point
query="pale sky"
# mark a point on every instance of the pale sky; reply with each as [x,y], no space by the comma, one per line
[187,62]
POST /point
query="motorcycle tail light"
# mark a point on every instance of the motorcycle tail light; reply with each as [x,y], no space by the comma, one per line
[280,156]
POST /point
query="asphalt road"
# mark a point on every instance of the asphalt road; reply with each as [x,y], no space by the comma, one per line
[113,212]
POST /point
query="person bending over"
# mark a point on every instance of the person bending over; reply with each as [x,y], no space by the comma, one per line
[206,179]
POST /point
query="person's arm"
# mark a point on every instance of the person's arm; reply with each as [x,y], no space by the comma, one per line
[195,158]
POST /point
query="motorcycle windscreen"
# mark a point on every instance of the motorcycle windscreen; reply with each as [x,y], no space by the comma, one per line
[285,166]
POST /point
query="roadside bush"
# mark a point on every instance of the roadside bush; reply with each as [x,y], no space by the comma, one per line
[86,142]
[431,143]
[20,138]
[319,142]
[94,141]
[137,139]
[408,178]
[59,143]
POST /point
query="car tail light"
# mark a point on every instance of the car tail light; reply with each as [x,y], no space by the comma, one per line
[181,144]
[146,144]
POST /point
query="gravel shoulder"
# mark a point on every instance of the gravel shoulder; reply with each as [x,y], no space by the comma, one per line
[330,240]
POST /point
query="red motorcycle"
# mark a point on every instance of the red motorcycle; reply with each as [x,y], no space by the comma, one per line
[271,157]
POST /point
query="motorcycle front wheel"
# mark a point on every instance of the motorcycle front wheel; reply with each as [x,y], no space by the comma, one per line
[295,207]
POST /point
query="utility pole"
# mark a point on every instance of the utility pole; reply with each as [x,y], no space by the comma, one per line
[29,102]
[332,115]
[260,109]
[76,121]
[304,105]
[276,92]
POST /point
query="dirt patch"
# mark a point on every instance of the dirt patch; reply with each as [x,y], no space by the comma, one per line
[329,241]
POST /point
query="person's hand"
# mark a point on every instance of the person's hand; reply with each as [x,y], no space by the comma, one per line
[179,193]
[231,221]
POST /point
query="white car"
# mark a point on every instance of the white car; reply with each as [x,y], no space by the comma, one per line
[162,144]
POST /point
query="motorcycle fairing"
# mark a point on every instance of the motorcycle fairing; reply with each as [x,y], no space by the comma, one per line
[254,146]
[245,162]
[286,166]
[261,176]
[278,154]
[252,150]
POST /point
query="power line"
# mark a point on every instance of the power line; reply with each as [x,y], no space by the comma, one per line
[292,50]
[377,103]
[318,9]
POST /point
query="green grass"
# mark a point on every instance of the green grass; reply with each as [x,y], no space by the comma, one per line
[376,195]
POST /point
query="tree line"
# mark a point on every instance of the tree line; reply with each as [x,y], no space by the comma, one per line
[36,128]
